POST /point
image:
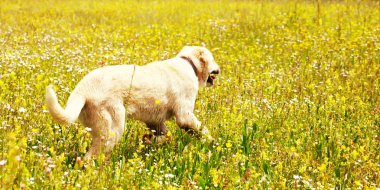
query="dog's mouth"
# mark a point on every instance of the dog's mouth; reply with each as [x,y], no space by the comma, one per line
[212,77]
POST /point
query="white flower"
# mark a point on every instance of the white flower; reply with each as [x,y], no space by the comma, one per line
[7,106]
[31,180]
[169,175]
[3,162]
[22,110]
[297,177]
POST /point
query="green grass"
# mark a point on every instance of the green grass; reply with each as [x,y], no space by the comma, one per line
[297,104]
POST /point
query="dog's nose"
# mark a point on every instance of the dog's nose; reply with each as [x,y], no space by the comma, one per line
[215,71]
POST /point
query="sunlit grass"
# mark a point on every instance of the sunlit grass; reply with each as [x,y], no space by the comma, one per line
[296,106]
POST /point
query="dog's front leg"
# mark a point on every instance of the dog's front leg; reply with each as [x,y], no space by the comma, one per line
[188,122]
[160,134]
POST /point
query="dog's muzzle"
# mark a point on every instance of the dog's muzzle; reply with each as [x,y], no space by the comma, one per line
[212,77]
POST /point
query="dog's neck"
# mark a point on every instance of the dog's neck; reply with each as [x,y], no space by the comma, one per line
[192,64]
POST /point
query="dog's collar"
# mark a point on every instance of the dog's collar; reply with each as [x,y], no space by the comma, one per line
[192,64]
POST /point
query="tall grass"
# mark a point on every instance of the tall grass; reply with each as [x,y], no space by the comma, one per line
[296,105]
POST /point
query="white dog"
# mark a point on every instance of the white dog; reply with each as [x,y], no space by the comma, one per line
[152,93]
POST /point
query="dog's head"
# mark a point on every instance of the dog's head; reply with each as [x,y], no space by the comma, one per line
[205,65]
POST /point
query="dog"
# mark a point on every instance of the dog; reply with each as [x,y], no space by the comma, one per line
[153,94]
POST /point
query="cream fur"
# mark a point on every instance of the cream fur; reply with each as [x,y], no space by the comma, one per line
[153,93]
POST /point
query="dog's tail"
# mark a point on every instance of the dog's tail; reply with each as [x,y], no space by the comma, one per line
[74,106]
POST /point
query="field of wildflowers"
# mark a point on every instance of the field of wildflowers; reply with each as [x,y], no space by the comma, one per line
[297,104]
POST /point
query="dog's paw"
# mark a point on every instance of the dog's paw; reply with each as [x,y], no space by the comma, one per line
[147,139]
[206,135]
[207,139]
[158,140]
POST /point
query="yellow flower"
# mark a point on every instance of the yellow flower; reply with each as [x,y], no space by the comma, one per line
[218,148]
[157,102]
[52,151]
[354,154]
[238,155]
[322,168]
[228,144]
[302,169]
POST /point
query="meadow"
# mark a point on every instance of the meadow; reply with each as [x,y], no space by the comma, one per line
[297,105]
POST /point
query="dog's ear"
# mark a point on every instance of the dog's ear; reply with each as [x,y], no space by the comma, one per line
[200,54]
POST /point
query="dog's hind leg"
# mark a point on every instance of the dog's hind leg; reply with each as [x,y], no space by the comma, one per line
[100,123]
[107,127]
[116,130]
[97,124]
